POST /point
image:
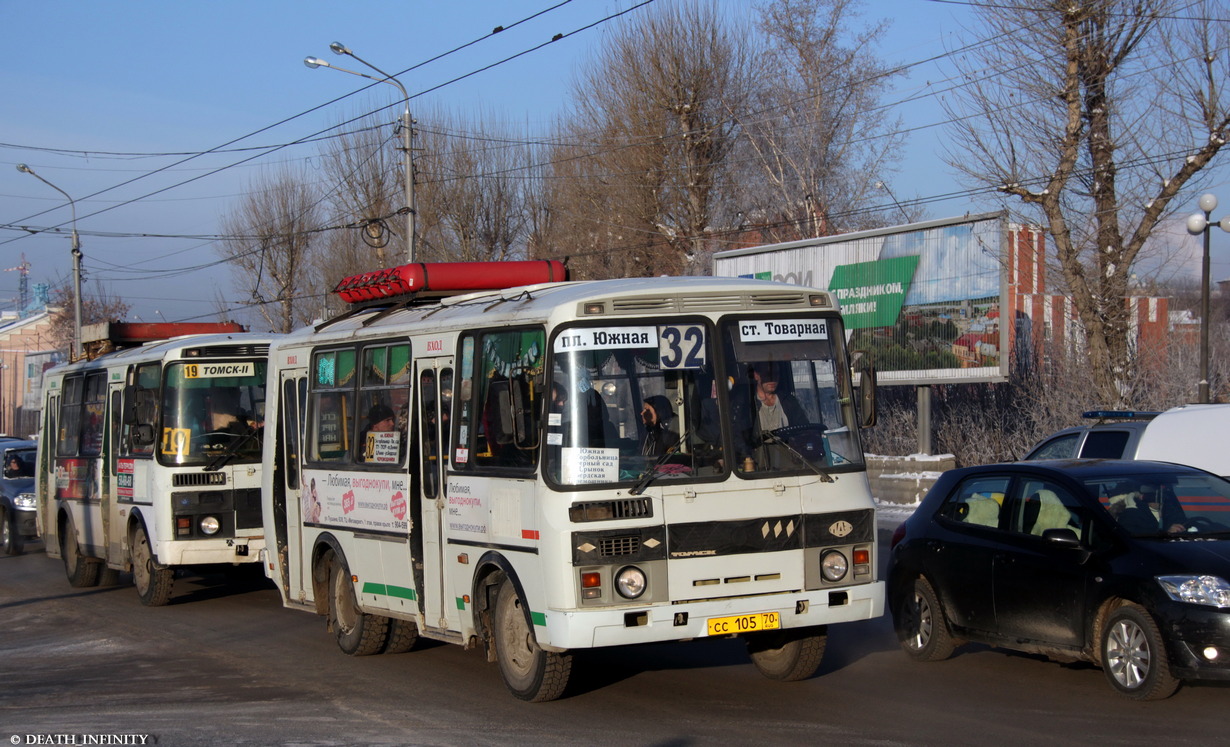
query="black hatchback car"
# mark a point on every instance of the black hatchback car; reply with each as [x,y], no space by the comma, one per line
[1125,564]
[17,522]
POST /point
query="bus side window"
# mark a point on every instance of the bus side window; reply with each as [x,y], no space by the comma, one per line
[332,416]
[502,423]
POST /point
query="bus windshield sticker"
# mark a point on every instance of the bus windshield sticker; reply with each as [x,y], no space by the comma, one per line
[217,370]
[781,330]
[383,447]
[682,346]
[606,338]
[582,466]
[175,441]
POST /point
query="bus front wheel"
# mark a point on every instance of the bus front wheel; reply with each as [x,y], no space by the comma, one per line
[153,583]
[788,655]
[529,672]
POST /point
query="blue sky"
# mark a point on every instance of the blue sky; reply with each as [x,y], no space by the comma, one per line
[146,77]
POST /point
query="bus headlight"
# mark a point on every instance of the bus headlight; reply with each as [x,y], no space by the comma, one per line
[630,582]
[210,525]
[833,566]
[24,500]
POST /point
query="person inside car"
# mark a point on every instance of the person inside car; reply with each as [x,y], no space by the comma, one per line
[1156,510]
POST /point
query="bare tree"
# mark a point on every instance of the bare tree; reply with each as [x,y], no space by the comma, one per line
[272,236]
[1099,116]
[96,307]
[473,192]
[817,147]
[641,171]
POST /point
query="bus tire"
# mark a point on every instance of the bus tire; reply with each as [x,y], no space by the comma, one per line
[81,572]
[358,633]
[403,636]
[529,672]
[788,655]
[10,537]
[153,583]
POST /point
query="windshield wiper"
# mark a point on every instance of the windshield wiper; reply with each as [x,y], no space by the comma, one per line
[647,476]
[231,450]
[771,437]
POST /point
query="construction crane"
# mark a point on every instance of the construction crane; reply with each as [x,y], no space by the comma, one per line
[23,285]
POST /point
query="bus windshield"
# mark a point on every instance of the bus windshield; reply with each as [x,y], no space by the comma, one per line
[629,401]
[211,408]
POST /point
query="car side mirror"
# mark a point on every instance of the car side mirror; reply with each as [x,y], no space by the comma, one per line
[1062,536]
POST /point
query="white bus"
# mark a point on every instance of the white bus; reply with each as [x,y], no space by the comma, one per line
[150,454]
[483,469]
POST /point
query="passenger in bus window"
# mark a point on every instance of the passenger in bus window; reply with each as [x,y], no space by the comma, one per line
[657,416]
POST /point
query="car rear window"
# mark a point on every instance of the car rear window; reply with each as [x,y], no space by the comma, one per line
[1104,445]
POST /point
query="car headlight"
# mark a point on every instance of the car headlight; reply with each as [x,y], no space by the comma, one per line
[24,500]
[833,566]
[630,582]
[1210,590]
[210,525]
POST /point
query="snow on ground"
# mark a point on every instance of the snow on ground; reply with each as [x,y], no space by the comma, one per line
[889,514]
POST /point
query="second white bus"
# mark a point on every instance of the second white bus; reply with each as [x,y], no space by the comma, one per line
[484,469]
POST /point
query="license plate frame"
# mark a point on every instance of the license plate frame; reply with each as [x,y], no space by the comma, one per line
[753,622]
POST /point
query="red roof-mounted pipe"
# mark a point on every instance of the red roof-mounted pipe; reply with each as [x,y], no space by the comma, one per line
[448,277]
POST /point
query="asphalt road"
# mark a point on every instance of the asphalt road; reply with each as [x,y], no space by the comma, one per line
[224,663]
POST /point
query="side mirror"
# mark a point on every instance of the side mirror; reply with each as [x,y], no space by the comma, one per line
[142,435]
[867,397]
[1063,536]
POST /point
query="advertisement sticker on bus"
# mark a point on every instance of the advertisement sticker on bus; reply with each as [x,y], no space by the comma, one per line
[467,509]
[123,477]
[374,503]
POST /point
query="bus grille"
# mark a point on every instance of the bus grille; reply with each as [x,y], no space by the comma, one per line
[615,546]
[197,479]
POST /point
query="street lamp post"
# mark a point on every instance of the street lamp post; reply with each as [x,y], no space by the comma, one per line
[1200,224]
[406,131]
[76,352]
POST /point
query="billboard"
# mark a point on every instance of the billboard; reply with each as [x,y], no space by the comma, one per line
[924,299]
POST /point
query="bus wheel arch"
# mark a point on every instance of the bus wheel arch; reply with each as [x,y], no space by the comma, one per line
[358,633]
[530,672]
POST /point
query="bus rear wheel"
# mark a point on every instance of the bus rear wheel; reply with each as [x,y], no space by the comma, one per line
[529,672]
[81,572]
[358,633]
[788,655]
[153,583]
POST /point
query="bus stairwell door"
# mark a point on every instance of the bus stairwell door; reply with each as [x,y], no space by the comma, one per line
[435,396]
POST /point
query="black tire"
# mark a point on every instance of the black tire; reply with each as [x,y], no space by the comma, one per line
[403,636]
[10,537]
[1134,655]
[788,655]
[357,632]
[153,583]
[108,576]
[922,626]
[82,573]
[529,672]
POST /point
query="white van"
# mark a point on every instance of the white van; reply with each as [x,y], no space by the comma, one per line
[1196,435]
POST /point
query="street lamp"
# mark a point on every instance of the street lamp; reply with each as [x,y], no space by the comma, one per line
[406,132]
[1200,224]
[76,352]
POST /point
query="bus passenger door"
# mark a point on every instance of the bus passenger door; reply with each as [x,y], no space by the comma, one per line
[435,398]
[287,497]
